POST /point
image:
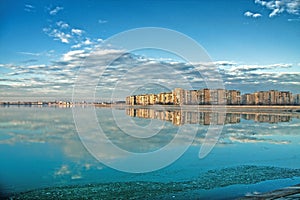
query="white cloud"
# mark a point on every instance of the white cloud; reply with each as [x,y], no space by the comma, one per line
[55,10]
[77,31]
[294,20]
[248,14]
[237,69]
[62,24]
[67,34]
[87,42]
[251,14]
[29,53]
[293,7]
[263,3]
[275,12]
[280,65]
[256,15]
[29,8]
[279,6]
[76,46]
[73,55]
[130,70]
[225,63]
[46,30]
[101,21]
[58,35]
[63,37]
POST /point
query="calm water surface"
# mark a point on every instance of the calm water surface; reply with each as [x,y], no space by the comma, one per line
[39,148]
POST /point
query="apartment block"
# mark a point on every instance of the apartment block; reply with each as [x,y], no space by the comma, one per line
[214,97]
[272,97]
[233,97]
[297,99]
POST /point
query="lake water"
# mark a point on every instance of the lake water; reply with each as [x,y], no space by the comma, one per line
[256,152]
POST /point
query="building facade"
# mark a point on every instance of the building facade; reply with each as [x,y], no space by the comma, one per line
[272,97]
[214,97]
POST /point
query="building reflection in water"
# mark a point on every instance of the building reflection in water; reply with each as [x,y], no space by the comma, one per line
[181,117]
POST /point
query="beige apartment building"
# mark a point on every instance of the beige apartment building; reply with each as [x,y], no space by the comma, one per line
[214,97]
[272,97]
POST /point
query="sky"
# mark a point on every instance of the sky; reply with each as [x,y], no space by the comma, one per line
[253,43]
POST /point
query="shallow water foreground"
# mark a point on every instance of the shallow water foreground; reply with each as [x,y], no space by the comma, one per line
[42,157]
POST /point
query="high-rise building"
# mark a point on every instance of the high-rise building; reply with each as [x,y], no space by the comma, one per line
[222,96]
[207,98]
[297,99]
[178,94]
[214,96]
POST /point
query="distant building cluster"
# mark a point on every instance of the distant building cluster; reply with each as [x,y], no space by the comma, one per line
[215,97]
[181,117]
[38,103]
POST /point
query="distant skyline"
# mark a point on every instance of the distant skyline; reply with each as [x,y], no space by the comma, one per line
[255,43]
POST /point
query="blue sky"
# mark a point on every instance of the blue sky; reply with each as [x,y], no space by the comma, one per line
[246,38]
